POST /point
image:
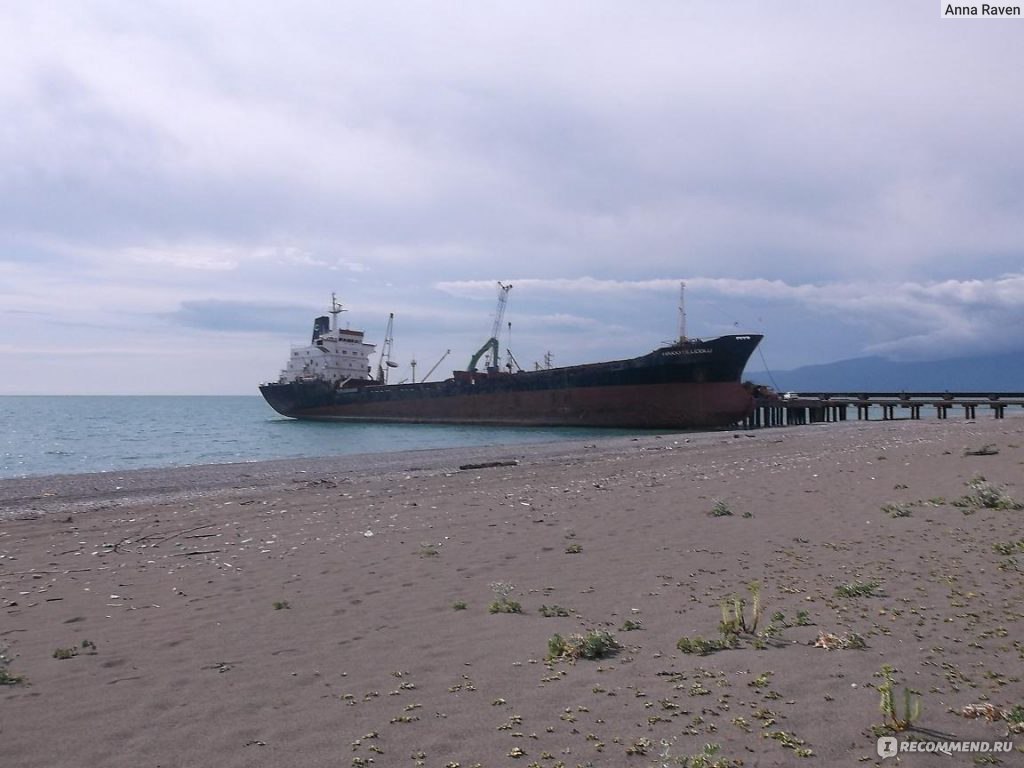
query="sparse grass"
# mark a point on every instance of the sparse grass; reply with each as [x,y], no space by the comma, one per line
[631,626]
[897,510]
[720,509]
[459,605]
[708,757]
[551,611]
[65,653]
[790,741]
[859,589]
[700,646]
[596,644]
[1009,547]
[502,603]
[987,495]
[573,549]
[761,681]
[281,605]
[639,747]
[6,678]
[911,702]
[428,550]
[803,619]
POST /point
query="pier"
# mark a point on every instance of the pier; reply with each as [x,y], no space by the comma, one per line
[795,409]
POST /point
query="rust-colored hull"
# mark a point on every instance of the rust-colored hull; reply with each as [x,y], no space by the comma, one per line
[652,406]
[691,385]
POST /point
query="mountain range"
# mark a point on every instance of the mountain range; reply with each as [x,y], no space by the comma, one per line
[992,373]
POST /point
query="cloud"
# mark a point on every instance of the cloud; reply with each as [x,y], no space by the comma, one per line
[905,320]
[844,177]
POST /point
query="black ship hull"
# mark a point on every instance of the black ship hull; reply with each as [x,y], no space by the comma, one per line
[693,384]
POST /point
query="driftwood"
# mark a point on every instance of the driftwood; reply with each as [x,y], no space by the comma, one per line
[489,464]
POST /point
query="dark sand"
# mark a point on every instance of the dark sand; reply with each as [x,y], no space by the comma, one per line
[174,576]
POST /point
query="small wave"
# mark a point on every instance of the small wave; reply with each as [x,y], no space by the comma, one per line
[59,453]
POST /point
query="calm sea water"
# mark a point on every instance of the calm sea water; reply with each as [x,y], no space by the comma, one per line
[61,435]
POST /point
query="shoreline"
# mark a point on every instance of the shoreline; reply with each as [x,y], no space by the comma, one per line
[335,612]
[40,494]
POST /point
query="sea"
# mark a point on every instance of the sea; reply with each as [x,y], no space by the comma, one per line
[44,435]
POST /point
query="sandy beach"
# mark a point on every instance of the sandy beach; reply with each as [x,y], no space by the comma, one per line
[336,612]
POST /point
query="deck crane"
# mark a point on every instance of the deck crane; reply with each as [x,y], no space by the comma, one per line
[385,352]
[492,343]
[446,353]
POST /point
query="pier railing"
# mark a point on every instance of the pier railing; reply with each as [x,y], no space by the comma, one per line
[811,408]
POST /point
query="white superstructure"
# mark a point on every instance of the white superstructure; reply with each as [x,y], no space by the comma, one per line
[336,355]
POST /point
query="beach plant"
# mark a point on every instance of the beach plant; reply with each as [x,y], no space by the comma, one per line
[573,549]
[859,588]
[459,605]
[803,619]
[790,741]
[640,746]
[6,678]
[708,757]
[596,644]
[65,653]
[702,647]
[734,621]
[720,509]
[428,550]
[897,510]
[911,702]
[281,605]
[1009,547]
[631,626]
[987,495]
[88,646]
[502,602]
[552,611]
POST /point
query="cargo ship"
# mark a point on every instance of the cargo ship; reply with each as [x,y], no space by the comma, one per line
[689,384]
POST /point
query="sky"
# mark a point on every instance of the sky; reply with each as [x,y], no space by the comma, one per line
[184,184]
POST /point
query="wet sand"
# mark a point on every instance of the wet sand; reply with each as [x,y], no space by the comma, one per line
[305,612]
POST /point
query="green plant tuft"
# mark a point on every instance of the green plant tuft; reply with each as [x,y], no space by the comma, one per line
[551,611]
[720,509]
[859,589]
[911,702]
[502,590]
[596,644]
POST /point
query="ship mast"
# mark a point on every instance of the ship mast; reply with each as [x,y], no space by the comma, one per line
[335,310]
[682,312]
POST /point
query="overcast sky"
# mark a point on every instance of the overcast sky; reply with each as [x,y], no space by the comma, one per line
[183,184]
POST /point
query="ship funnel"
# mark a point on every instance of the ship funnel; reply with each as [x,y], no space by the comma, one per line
[321,326]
